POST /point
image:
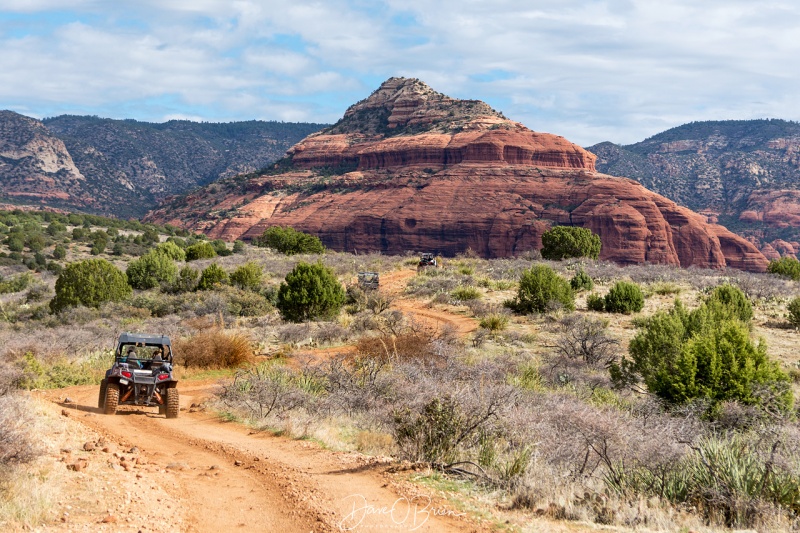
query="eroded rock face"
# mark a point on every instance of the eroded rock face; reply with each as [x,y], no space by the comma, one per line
[35,166]
[410,169]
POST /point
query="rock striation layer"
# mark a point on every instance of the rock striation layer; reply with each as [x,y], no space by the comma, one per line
[411,169]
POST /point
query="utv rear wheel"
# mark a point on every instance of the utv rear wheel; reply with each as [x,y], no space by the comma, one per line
[101,399]
[173,403]
[112,398]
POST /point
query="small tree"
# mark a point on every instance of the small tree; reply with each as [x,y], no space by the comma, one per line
[171,250]
[151,270]
[680,356]
[247,276]
[539,288]
[794,312]
[289,241]
[581,282]
[90,283]
[59,252]
[201,250]
[212,276]
[788,267]
[624,297]
[562,242]
[187,280]
[310,291]
[732,302]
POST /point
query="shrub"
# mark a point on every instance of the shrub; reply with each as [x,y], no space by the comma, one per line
[36,242]
[681,356]
[309,292]
[247,276]
[465,293]
[221,247]
[289,241]
[585,338]
[171,250]
[539,287]
[595,302]
[624,297]
[730,301]
[562,242]
[212,276]
[788,267]
[89,283]
[151,270]
[581,282]
[494,322]
[238,247]
[201,250]
[15,284]
[59,252]
[186,280]
[794,312]
[214,348]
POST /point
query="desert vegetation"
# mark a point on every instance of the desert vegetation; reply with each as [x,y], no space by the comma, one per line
[665,404]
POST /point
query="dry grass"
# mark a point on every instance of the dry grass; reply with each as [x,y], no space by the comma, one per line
[214,348]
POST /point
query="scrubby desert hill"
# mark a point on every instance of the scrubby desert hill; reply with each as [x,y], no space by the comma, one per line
[409,168]
[124,167]
[742,173]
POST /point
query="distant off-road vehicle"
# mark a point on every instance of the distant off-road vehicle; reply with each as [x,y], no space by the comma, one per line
[426,260]
[141,375]
[368,281]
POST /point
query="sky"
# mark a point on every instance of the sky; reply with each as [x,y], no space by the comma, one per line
[592,71]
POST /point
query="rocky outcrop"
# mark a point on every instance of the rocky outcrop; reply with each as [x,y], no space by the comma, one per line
[744,171]
[35,166]
[396,175]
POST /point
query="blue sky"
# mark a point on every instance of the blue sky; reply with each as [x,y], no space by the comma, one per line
[618,70]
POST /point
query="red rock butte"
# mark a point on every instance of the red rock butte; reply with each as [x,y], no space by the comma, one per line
[410,169]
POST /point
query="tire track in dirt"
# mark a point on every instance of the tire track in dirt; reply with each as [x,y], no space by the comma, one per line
[229,477]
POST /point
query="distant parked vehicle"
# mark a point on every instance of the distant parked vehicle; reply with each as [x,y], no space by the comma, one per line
[426,260]
[368,281]
[141,375]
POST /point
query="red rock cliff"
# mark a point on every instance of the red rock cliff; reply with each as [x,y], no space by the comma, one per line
[411,169]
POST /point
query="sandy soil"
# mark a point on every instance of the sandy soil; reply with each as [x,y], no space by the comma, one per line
[197,473]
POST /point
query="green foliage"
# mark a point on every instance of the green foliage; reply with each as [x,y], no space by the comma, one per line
[151,270]
[624,297]
[187,280]
[15,243]
[680,356]
[310,291]
[201,250]
[730,302]
[539,289]
[289,241]
[247,276]
[15,284]
[595,302]
[794,312]
[221,247]
[562,242]
[433,434]
[581,282]
[36,242]
[728,477]
[788,267]
[466,292]
[61,372]
[494,322]
[171,250]
[89,283]
[212,276]
[59,252]
[238,247]
[55,227]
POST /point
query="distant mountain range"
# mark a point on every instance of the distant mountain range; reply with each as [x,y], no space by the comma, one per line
[125,167]
[745,174]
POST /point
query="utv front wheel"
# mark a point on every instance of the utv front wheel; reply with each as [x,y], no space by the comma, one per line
[173,402]
[112,398]
[101,399]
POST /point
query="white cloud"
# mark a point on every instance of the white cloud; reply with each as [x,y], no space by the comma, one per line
[590,70]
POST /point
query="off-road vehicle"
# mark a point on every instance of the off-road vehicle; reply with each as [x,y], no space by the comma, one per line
[426,260]
[141,375]
[368,281]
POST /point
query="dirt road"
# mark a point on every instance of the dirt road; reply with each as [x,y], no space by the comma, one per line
[209,475]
